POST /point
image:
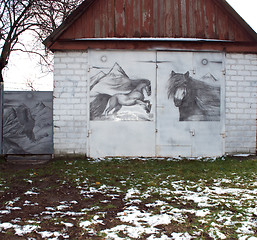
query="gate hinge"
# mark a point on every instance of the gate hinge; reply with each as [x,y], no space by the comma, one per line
[88,133]
[223,135]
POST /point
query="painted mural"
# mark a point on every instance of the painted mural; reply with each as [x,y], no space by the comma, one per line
[115,96]
[197,100]
[28,123]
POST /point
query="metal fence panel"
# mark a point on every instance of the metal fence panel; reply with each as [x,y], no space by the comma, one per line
[28,123]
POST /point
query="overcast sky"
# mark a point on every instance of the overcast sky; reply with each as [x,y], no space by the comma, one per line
[247,9]
[23,67]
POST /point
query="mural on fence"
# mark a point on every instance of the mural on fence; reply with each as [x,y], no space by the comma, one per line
[115,96]
[197,100]
[28,123]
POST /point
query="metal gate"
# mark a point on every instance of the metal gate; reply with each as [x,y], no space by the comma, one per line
[122,103]
[27,123]
[190,104]
[155,103]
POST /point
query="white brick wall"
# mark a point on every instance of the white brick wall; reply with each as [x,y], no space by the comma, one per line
[241,89]
[70,102]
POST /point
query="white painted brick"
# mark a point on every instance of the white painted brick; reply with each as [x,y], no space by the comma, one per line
[243,105]
[231,62]
[74,66]
[67,60]
[236,110]
[245,61]
[67,71]
[237,78]
[253,94]
[249,100]
[231,72]
[231,83]
[244,94]
[235,56]
[231,94]
[81,60]
[237,67]
[70,86]
[75,100]
[60,66]
[60,112]
[231,105]
[244,73]
[237,99]
[241,126]
[244,83]
[251,67]
[80,72]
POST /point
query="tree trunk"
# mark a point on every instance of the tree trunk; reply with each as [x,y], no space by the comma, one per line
[1,112]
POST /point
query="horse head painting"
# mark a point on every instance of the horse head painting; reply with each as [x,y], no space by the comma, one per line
[196,100]
[115,90]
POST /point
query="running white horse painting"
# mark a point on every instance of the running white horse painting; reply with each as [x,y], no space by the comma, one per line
[115,96]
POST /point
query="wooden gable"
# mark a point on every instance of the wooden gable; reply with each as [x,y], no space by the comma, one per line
[137,19]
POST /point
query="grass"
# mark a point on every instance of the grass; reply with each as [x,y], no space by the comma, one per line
[204,198]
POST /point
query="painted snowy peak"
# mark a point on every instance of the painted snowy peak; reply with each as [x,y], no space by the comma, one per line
[115,81]
[209,79]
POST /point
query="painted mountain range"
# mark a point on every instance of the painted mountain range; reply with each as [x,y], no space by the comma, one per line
[27,130]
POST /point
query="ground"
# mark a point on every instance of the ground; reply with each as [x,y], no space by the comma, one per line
[140,198]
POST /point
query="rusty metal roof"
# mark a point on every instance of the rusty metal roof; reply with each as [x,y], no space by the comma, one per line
[152,19]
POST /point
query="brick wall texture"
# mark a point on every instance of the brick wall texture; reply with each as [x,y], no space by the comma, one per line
[241,89]
[71,103]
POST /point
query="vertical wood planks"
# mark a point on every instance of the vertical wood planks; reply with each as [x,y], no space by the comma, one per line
[207,19]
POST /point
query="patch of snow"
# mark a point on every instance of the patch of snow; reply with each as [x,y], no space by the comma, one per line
[137,217]
[202,213]
[49,235]
[31,193]
[181,236]
[5,212]
[215,233]
[67,224]
[61,207]
[131,231]
[163,237]
[85,224]
[25,229]
[242,155]
[6,225]
[131,193]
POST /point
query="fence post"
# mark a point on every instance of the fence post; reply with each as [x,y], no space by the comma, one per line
[2,115]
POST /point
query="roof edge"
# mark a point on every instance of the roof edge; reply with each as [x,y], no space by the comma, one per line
[68,22]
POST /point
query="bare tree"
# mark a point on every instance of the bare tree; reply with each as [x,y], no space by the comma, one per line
[39,16]
[30,84]
[19,16]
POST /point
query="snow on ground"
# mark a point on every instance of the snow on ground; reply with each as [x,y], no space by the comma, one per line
[211,208]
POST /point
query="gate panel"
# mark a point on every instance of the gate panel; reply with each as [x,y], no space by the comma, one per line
[28,123]
[189,104]
[122,103]
[173,137]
